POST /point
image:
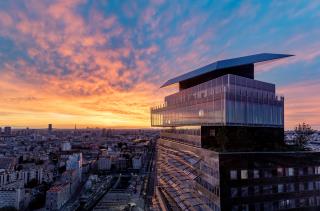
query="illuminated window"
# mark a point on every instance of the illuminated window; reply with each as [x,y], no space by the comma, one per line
[280,172]
[288,203]
[244,174]
[290,172]
[317,170]
[317,185]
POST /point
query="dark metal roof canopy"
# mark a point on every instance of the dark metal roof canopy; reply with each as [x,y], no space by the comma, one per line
[242,66]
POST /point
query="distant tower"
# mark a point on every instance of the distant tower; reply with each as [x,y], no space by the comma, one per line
[7,131]
[75,129]
[49,128]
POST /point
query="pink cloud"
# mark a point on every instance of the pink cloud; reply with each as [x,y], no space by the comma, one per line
[174,42]
[5,19]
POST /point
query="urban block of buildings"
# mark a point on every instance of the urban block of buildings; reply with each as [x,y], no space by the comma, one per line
[66,169]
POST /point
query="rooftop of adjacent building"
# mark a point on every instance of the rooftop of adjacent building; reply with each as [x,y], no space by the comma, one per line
[58,187]
[272,149]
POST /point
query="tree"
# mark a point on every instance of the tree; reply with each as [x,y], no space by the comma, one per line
[8,208]
[303,133]
[32,183]
[38,202]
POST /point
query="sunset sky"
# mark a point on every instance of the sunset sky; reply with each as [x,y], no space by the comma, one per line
[100,63]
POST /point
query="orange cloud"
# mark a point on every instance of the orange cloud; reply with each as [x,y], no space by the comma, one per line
[74,76]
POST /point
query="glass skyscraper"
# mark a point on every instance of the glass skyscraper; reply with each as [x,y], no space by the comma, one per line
[222,147]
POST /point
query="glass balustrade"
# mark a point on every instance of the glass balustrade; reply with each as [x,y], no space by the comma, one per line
[227,100]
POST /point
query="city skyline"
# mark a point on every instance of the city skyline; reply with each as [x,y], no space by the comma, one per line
[100,64]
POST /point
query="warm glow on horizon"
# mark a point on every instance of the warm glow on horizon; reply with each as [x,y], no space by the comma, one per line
[101,63]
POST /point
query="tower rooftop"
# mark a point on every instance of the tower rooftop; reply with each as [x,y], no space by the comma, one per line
[242,66]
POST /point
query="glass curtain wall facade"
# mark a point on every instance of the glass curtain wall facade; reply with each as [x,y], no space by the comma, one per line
[187,177]
[226,100]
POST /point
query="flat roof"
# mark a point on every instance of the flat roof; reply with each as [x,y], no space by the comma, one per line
[227,63]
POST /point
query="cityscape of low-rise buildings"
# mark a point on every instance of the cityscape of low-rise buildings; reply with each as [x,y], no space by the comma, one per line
[56,169]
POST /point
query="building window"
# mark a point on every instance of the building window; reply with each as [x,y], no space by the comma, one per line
[268,206]
[244,191]
[256,174]
[310,170]
[201,113]
[301,186]
[233,175]
[301,172]
[256,190]
[302,202]
[317,170]
[317,200]
[244,174]
[311,201]
[233,192]
[267,189]
[212,132]
[310,185]
[290,172]
[244,207]
[280,172]
[290,187]
[280,188]
[286,204]
[317,185]
[267,173]
[283,204]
